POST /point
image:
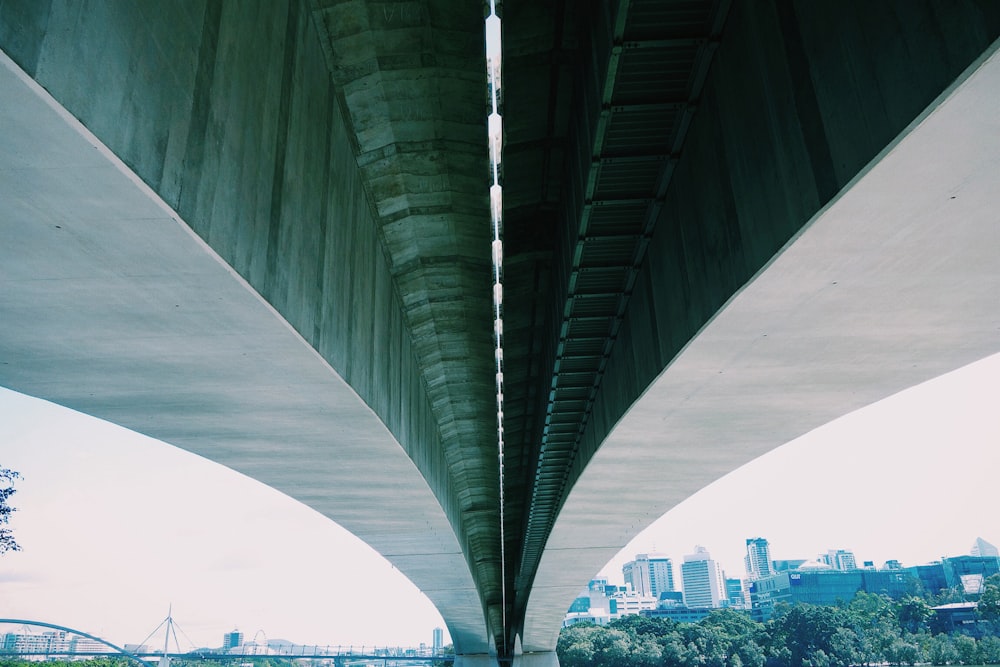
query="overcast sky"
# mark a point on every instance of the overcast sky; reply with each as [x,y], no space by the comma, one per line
[912,478]
[116,527]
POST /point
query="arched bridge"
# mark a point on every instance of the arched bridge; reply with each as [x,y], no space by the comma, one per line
[113,649]
[340,655]
[261,231]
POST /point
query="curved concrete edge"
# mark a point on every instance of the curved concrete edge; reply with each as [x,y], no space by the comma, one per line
[475,660]
[892,284]
[540,659]
[110,287]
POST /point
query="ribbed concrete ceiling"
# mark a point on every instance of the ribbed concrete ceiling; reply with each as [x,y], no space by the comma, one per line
[411,77]
[592,141]
[600,99]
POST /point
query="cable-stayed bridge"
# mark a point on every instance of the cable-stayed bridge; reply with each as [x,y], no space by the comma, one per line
[47,646]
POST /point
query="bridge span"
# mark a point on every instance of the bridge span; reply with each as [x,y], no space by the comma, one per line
[339,654]
[260,231]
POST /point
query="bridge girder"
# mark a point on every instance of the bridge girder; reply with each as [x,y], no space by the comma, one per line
[333,154]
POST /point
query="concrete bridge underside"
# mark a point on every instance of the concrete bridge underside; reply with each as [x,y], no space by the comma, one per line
[260,231]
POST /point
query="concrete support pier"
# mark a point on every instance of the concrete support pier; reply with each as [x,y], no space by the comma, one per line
[475,660]
[536,659]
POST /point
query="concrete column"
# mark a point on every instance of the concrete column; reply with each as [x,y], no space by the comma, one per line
[538,659]
[475,660]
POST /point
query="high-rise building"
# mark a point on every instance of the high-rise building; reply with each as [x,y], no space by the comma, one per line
[704,583]
[232,640]
[758,558]
[840,559]
[650,574]
[983,548]
[438,642]
[57,641]
[734,594]
[602,603]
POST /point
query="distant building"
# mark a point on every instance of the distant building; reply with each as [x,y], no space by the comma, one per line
[970,572]
[983,548]
[593,605]
[786,565]
[47,645]
[671,598]
[678,613]
[734,594]
[231,640]
[960,617]
[840,559]
[42,643]
[628,603]
[758,558]
[931,577]
[649,574]
[437,643]
[602,603]
[819,584]
[86,645]
[704,584]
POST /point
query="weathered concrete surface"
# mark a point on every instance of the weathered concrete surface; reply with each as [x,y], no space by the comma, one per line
[228,111]
[327,152]
[892,284]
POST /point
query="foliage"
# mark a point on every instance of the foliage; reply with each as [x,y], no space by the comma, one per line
[7,541]
[869,630]
[914,614]
[989,600]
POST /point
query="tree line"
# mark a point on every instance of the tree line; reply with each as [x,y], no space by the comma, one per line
[869,630]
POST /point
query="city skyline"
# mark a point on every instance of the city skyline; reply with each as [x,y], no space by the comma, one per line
[889,462]
[107,549]
[834,559]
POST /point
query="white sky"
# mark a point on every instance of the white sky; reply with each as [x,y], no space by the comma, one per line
[116,527]
[913,477]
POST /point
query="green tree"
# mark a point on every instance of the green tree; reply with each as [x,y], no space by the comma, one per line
[612,648]
[802,630]
[914,614]
[968,651]
[989,601]
[941,650]
[672,649]
[817,658]
[706,645]
[646,652]
[845,648]
[7,541]
[948,596]
[989,650]
[575,647]
[644,635]
[903,652]
[636,624]
[873,618]
[742,638]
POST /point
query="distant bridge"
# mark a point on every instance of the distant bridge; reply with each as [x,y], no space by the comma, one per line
[329,653]
[117,650]
[340,654]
